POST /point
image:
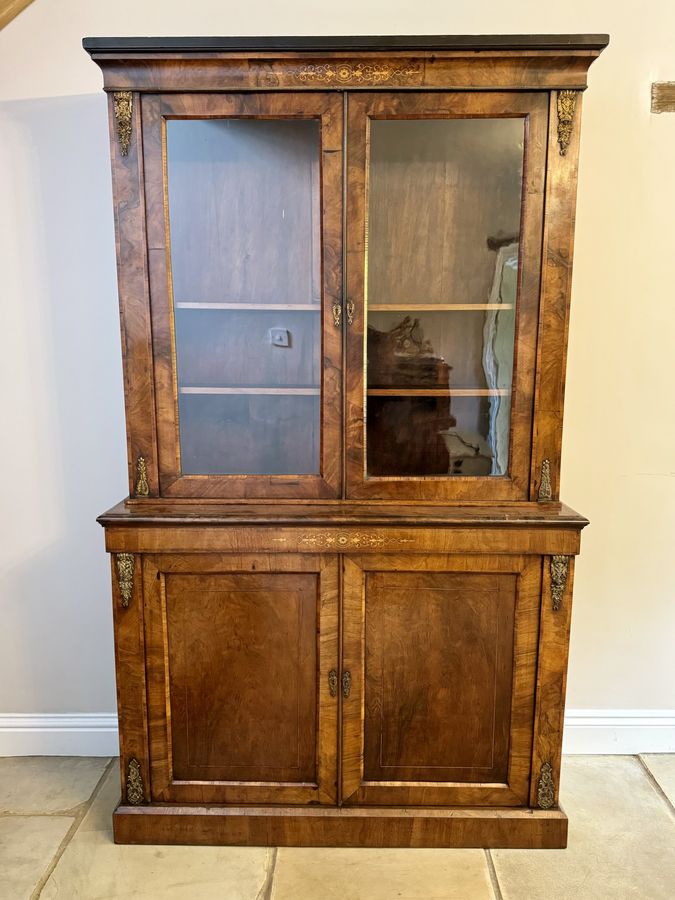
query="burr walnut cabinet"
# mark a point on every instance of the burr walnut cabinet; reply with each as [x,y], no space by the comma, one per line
[342,579]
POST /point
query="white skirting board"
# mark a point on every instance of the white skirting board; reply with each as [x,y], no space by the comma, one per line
[95,734]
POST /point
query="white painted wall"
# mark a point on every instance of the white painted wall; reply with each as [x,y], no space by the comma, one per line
[62,448]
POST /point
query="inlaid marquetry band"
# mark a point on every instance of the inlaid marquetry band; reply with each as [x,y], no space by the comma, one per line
[347,540]
[357,73]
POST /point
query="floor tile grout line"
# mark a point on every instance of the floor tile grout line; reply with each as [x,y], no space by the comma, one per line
[70,834]
[655,784]
[493,876]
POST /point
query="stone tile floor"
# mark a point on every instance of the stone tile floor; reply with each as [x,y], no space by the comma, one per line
[56,842]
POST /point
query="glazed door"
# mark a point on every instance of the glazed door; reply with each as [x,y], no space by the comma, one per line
[244,219]
[439,671]
[242,700]
[445,208]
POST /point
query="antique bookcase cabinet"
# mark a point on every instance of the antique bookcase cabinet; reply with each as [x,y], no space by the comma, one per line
[342,581]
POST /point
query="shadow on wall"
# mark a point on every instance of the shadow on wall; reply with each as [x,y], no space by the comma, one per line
[63,453]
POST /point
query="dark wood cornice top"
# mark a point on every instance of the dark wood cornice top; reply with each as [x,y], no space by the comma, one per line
[337,43]
[340,513]
[396,62]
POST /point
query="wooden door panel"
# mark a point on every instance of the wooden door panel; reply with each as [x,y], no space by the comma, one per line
[441,653]
[438,676]
[238,656]
[242,661]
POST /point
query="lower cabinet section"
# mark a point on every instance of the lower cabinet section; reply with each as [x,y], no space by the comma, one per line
[359,698]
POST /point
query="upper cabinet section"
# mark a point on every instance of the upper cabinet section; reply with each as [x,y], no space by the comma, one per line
[344,263]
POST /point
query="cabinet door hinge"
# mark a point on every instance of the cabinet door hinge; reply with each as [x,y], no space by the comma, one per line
[123,106]
[545,491]
[125,576]
[559,568]
[546,787]
[135,789]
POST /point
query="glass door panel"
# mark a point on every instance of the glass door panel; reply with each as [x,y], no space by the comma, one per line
[244,214]
[446,236]
[250,198]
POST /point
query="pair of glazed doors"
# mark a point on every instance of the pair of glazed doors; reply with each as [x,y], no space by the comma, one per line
[344,292]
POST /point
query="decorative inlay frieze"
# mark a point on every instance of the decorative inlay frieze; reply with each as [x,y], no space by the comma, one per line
[567,101]
[356,73]
[546,787]
[347,540]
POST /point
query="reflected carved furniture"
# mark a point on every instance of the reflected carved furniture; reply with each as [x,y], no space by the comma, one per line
[342,579]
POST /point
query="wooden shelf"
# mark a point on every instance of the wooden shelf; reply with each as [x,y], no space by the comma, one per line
[438,392]
[252,307]
[436,307]
[283,391]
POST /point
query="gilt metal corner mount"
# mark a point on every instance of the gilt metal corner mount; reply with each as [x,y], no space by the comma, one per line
[560,566]
[545,489]
[135,789]
[125,576]
[546,787]
[567,101]
[123,106]
[142,488]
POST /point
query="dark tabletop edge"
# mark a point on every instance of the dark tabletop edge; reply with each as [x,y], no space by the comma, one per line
[329,43]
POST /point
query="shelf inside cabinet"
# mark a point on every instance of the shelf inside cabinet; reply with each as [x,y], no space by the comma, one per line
[283,391]
[436,307]
[251,307]
[438,392]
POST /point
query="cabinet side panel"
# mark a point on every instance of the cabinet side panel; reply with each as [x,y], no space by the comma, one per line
[132,278]
[554,638]
[558,249]
[127,595]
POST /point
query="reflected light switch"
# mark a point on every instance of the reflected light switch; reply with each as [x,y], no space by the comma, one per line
[280,337]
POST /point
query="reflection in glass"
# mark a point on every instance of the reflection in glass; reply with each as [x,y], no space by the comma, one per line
[442,282]
[244,217]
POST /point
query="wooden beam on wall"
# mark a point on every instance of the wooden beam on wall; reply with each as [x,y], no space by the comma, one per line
[663,96]
[10,9]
